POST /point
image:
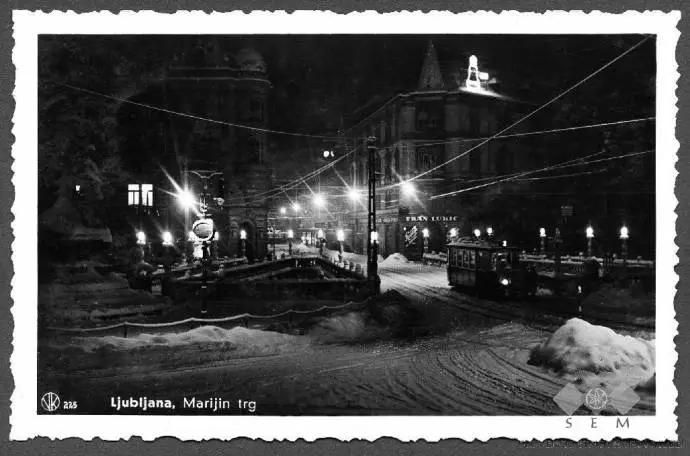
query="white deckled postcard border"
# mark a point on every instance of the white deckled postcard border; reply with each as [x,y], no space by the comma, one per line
[26,423]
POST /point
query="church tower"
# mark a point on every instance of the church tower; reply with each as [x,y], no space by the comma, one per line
[431,77]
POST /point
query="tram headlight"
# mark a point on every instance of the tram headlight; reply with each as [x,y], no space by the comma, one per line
[505,281]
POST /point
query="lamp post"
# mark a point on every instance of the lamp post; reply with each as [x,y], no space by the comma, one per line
[290,235]
[589,233]
[542,239]
[341,237]
[319,235]
[425,235]
[372,244]
[477,233]
[141,242]
[453,233]
[243,242]
[489,231]
[624,235]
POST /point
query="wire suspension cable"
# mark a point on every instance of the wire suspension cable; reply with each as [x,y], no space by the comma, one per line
[566,164]
[192,116]
[527,116]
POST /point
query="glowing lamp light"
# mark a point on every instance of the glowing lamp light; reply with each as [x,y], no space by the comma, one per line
[167,238]
[243,234]
[290,234]
[505,243]
[407,188]
[453,232]
[353,194]
[542,232]
[505,282]
[589,232]
[186,199]
[295,207]
[319,201]
[319,234]
[374,236]
[425,232]
[625,234]
[141,238]
[477,232]
[216,236]
[282,211]
[340,235]
[490,231]
[77,188]
[328,154]
[304,238]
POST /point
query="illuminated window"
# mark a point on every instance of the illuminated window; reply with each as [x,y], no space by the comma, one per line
[133,194]
[147,195]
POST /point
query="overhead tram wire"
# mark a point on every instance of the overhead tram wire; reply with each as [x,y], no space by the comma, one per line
[566,164]
[296,182]
[192,116]
[522,119]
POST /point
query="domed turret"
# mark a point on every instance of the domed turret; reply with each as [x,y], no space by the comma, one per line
[249,59]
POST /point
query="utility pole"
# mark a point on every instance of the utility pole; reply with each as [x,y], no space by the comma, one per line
[372,235]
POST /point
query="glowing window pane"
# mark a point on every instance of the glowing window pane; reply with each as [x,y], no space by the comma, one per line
[147,195]
[133,194]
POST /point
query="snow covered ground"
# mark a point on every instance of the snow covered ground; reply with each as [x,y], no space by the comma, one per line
[463,356]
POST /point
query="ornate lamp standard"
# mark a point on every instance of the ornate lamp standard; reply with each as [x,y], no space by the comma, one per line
[425,235]
[373,243]
[624,235]
[589,233]
[542,239]
[243,241]
[341,238]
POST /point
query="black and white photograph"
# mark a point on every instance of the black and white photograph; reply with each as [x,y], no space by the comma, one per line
[371,224]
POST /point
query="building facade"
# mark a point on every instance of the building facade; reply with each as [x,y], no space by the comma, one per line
[433,137]
[204,153]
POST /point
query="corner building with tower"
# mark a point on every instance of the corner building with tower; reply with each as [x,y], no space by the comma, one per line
[432,137]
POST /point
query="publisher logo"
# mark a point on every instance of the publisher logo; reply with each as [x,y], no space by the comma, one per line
[596,399]
[50,402]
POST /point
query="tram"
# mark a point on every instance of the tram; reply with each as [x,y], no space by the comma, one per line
[489,269]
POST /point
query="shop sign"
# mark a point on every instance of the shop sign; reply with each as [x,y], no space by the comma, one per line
[387,219]
[433,218]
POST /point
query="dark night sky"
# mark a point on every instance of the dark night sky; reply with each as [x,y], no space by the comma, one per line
[321,80]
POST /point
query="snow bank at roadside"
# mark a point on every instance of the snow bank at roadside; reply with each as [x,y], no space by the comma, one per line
[394,258]
[579,346]
[249,342]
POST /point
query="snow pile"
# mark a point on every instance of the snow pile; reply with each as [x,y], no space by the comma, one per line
[394,259]
[243,341]
[579,346]
[350,327]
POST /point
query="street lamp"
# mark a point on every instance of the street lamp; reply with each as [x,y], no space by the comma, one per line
[340,234]
[322,241]
[477,233]
[243,240]
[542,240]
[290,235]
[425,235]
[295,207]
[353,194]
[167,238]
[407,188]
[319,201]
[282,211]
[490,231]
[141,242]
[625,234]
[186,199]
[589,232]
[453,233]
[372,247]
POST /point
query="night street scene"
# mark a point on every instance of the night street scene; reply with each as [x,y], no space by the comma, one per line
[346,224]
